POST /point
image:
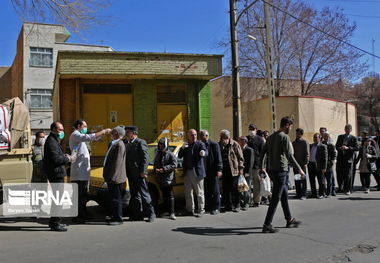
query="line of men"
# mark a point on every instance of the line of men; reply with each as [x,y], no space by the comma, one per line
[319,158]
[204,163]
[204,160]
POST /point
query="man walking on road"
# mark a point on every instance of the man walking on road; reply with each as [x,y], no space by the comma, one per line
[317,166]
[279,152]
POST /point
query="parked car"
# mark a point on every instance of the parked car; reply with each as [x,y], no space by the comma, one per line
[98,188]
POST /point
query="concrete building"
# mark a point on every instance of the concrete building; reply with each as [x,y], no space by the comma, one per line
[32,73]
[164,94]
[308,112]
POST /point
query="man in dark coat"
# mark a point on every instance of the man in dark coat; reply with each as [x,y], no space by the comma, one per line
[346,146]
[249,159]
[331,157]
[301,153]
[214,167]
[193,153]
[317,166]
[54,166]
[164,167]
[114,174]
[256,142]
[137,160]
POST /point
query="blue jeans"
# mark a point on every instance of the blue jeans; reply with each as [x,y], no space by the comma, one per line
[279,192]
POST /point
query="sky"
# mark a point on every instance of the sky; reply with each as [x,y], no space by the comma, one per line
[180,26]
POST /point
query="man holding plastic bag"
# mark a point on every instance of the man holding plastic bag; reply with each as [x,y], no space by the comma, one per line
[279,154]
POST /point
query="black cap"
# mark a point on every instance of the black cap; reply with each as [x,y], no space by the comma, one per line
[134,129]
[252,127]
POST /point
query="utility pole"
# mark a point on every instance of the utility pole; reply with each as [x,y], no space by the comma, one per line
[269,66]
[373,58]
[236,104]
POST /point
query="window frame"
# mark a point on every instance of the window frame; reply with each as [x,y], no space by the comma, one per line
[47,93]
[41,51]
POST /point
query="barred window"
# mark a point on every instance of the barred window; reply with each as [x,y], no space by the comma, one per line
[41,57]
[40,99]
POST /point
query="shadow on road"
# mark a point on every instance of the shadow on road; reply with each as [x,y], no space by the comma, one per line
[359,198]
[211,231]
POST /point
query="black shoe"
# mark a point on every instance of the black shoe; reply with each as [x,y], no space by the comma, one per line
[333,194]
[189,213]
[269,229]
[319,197]
[57,224]
[152,218]
[293,223]
[255,205]
[78,220]
[312,196]
[132,218]
[199,215]
[114,223]
[235,210]
[58,228]
[214,212]
[244,208]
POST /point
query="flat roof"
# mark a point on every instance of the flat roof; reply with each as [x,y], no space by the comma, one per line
[139,53]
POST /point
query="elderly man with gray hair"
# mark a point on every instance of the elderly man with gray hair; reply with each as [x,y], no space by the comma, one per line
[114,174]
[233,165]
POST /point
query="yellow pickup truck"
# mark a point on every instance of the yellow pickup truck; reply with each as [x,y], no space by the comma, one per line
[98,188]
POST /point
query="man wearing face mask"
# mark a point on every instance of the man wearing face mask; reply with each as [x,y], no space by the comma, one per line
[39,175]
[54,167]
[257,144]
[80,169]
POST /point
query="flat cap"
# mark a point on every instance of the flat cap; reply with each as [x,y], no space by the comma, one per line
[252,127]
[120,130]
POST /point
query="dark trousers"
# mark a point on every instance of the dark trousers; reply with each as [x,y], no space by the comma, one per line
[344,175]
[141,201]
[231,195]
[329,176]
[279,192]
[168,196]
[55,220]
[212,192]
[365,179]
[115,192]
[301,188]
[314,172]
[376,175]
[82,198]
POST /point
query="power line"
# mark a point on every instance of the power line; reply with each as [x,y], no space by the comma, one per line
[363,16]
[356,1]
[322,31]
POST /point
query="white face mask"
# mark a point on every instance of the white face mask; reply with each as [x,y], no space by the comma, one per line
[40,141]
[253,133]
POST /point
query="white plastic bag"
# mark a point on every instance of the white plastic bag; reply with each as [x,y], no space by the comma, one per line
[265,186]
[242,184]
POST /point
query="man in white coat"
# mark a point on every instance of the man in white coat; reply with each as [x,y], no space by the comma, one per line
[80,169]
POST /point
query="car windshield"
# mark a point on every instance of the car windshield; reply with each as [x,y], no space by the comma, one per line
[152,150]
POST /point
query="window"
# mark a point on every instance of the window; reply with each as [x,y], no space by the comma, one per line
[41,57]
[171,94]
[40,99]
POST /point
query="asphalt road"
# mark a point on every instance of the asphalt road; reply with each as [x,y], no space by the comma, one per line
[339,229]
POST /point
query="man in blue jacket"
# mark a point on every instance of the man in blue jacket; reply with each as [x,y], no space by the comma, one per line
[193,153]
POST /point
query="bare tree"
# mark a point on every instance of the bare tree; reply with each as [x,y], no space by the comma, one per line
[75,14]
[300,52]
[368,94]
